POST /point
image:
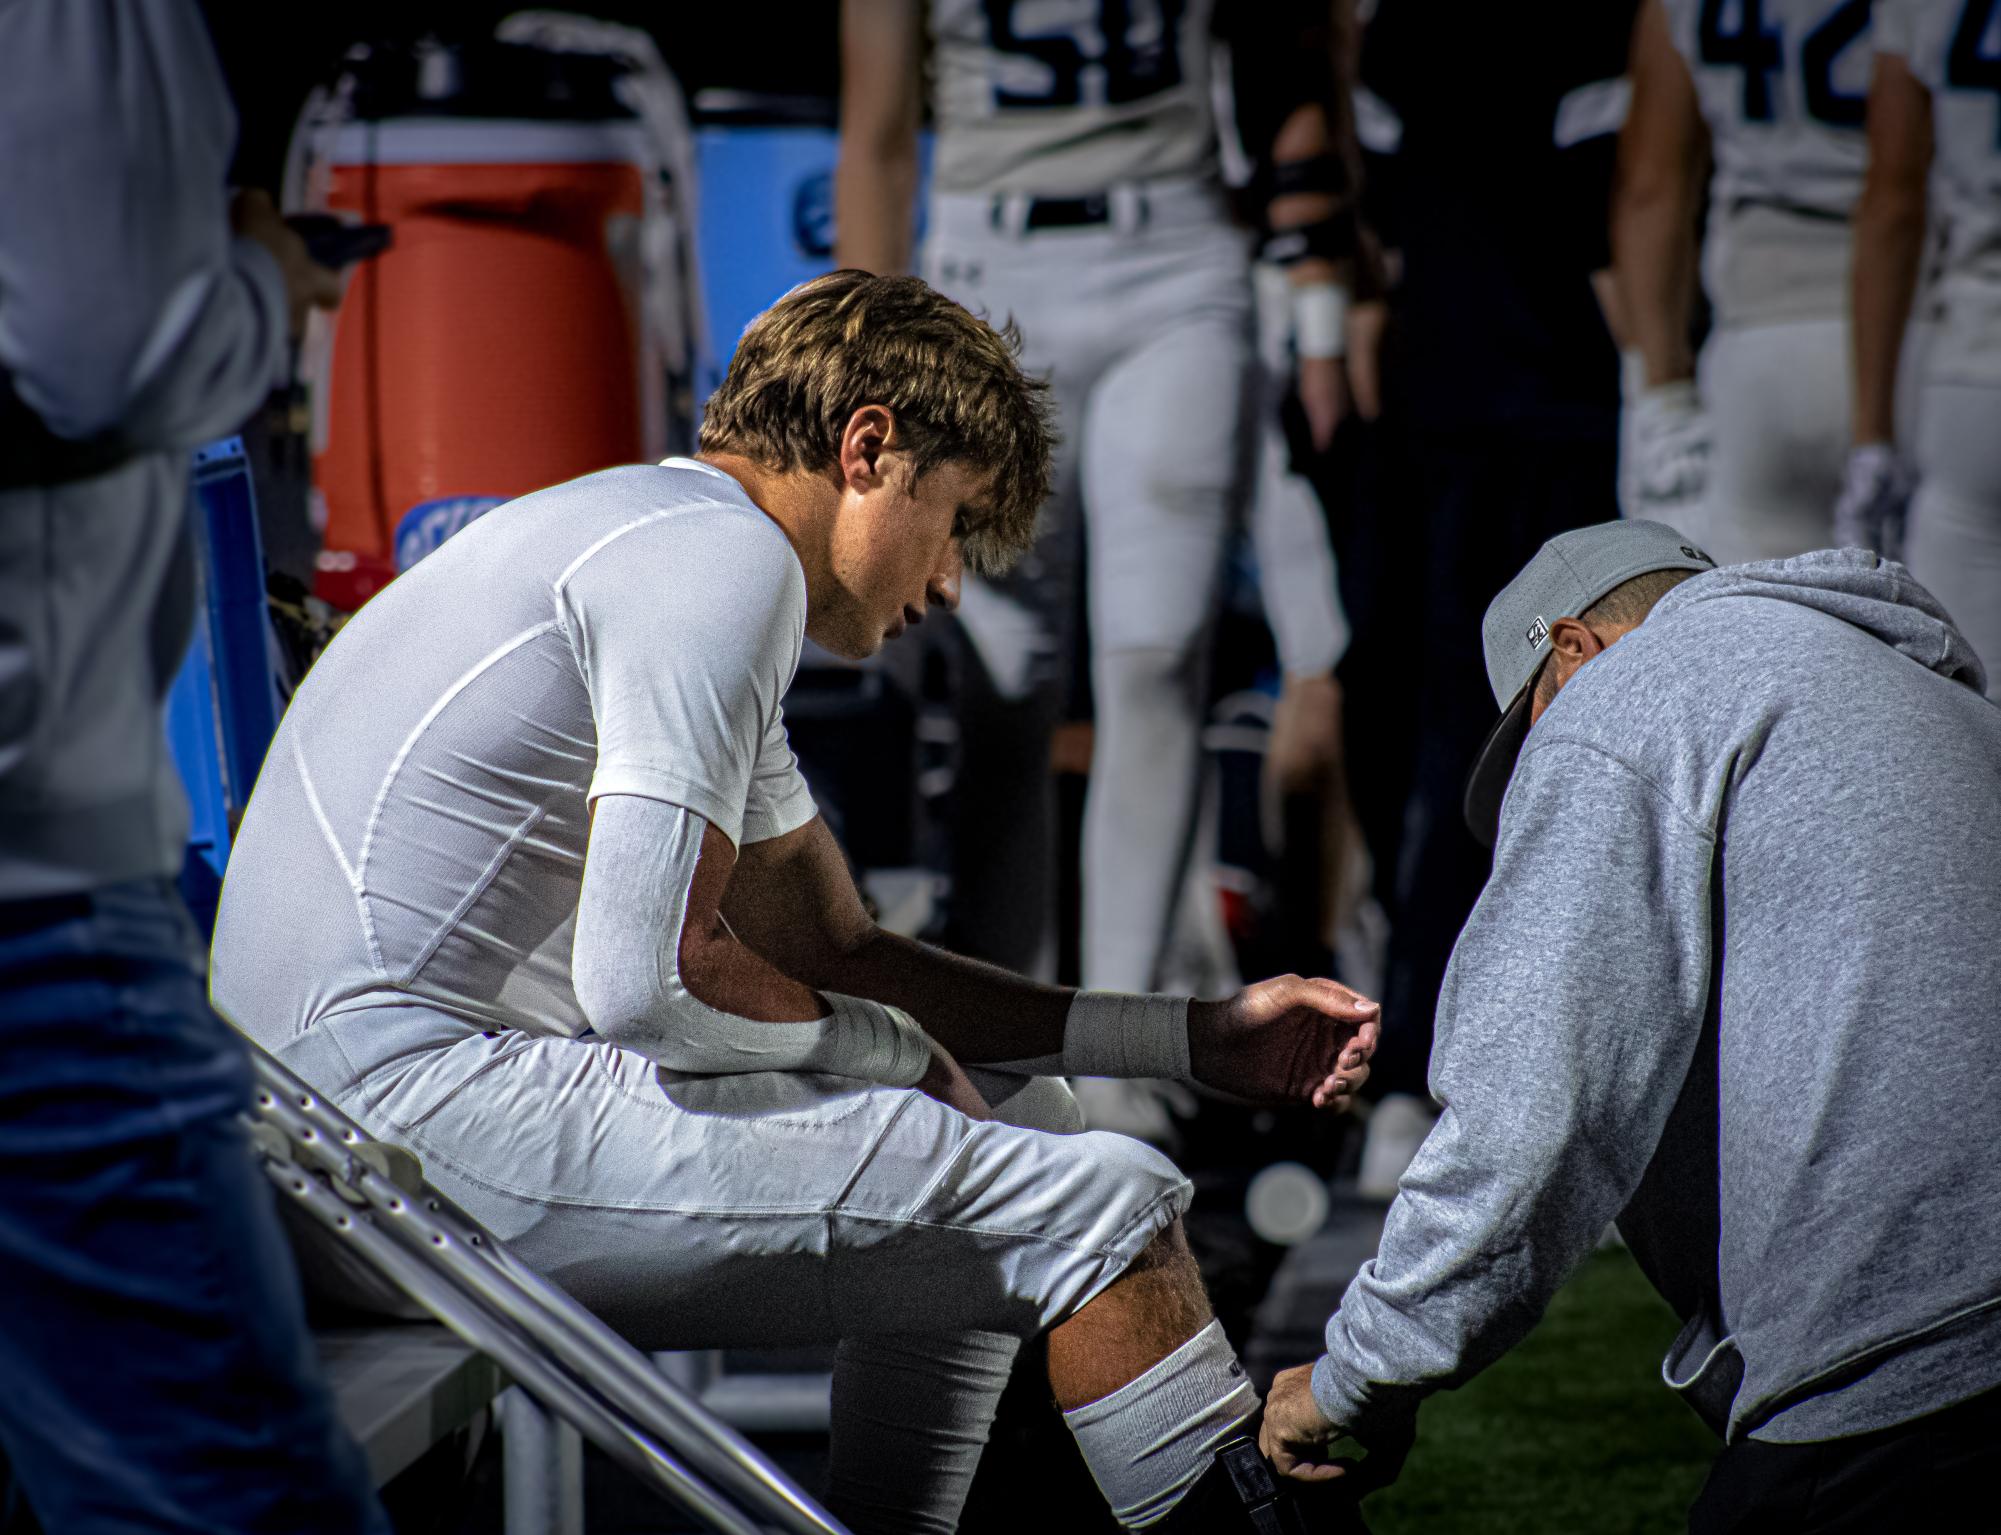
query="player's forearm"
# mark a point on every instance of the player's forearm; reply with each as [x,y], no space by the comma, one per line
[979,1012]
[1653,254]
[723,974]
[1315,194]
[875,192]
[1889,245]
[875,181]
[1662,168]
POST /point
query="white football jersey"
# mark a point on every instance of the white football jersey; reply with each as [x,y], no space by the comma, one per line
[1953,47]
[1067,97]
[1784,85]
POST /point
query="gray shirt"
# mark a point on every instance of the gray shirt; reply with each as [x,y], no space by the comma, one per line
[130,318]
[1733,981]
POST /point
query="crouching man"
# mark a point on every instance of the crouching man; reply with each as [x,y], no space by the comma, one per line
[1732,982]
[531,884]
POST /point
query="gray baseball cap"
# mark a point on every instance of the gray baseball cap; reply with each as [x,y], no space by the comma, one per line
[1568,574]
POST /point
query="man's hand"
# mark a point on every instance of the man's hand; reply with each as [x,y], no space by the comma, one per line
[1297,1439]
[1285,1042]
[308,285]
[946,1080]
[1296,1433]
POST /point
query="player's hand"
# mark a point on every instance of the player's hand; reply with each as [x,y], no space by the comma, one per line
[1875,493]
[1366,323]
[1670,443]
[1323,398]
[308,285]
[946,1080]
[1305,744]
[1285,1042]
[1296,1433]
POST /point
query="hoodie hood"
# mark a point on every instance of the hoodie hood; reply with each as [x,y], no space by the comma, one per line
[1876,595]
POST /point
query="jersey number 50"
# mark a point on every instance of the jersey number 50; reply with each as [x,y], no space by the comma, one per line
[1136,43]
[1759,51]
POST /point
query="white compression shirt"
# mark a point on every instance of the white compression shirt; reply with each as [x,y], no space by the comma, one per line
[418,832]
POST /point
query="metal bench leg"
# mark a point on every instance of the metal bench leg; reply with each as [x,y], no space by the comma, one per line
[542,1460]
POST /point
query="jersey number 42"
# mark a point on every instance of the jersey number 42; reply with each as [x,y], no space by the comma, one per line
[1759,50]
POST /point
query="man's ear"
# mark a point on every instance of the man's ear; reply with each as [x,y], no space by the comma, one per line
[1572,642]
[865,445]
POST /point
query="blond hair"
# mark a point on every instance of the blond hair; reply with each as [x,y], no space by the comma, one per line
[953,384]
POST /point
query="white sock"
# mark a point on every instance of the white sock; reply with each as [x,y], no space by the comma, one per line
[1149,1440]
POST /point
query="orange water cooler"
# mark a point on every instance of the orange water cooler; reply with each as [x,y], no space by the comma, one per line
[498,345]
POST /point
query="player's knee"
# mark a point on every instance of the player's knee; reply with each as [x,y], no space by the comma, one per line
[1151,1193]
[1145,669]
[1159,1293]
[1030,1103]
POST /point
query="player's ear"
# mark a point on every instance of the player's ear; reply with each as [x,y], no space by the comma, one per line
[865,448]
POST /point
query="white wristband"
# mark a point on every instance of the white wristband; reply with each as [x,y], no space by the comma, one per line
[1320,319]
[1120,1034]
[872,1041]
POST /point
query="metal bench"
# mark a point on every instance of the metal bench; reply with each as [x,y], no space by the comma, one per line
[376,1208]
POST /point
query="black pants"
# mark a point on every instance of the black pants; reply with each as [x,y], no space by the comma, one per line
[1445,517]
[1933,1473]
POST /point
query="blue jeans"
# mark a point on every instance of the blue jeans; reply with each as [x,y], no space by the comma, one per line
[155,1369]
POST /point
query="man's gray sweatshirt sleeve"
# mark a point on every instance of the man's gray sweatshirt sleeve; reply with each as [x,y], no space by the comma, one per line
[1568,1018]
[125,305]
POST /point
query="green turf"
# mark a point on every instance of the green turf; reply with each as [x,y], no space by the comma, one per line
[1572,1432]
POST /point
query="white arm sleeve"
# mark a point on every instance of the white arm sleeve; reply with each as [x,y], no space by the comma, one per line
[625,967]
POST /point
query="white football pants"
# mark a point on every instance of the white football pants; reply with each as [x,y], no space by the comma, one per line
[1777,400]
[1143,326]
[1953,540]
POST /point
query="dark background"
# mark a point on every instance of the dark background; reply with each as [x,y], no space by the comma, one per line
[274,54]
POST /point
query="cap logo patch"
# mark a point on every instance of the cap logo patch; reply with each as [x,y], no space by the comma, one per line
[1538,632]
[1696,554]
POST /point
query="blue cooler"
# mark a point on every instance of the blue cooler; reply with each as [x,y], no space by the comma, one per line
[766,165]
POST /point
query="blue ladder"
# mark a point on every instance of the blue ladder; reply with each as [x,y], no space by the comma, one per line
[223,707]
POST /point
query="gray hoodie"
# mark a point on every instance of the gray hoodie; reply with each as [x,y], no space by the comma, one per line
[1734,982]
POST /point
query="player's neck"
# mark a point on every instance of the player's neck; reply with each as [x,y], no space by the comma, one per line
[801,503]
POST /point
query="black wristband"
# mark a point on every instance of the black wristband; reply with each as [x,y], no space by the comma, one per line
[1321,173]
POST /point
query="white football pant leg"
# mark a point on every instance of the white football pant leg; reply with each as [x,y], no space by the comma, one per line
[1005,865]
[1953,542]
[1166,460]
[1777,397]
[911,1412]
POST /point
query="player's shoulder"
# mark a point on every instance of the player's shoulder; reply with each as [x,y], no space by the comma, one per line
[687,520]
